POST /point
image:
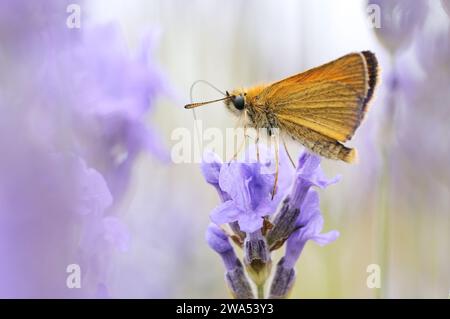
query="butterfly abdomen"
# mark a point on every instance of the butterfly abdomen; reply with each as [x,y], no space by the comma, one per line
[334,150]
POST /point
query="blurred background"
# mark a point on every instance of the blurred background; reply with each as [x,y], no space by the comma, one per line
[89,106]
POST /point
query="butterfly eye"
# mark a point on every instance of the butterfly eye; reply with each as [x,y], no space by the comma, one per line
[239,102]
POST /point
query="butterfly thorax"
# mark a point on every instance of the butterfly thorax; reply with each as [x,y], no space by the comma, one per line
[259,114]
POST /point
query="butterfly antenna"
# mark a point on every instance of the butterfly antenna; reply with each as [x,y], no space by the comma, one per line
[207,83]
[193,105]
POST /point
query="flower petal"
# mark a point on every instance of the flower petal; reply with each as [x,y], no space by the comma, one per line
[309,169]
[234,179]
[210,167]
[226,212]
[250,223]
[309,208]
[116,233]
[216,239]
[326,238]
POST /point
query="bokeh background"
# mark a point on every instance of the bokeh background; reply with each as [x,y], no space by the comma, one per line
[85,139]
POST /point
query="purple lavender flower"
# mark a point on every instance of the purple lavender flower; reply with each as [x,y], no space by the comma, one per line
[250,193]
[247,193]
[211,166]
[399,21]
[309,226]
[308,174]
[246,189]
[298,221]
[44,202]
[78,127]
[234,276]
[118,90]
[428,114]
[219,242]
[26,25]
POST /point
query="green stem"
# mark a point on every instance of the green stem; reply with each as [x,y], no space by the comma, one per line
[383,231]
[384,191]
[260,291]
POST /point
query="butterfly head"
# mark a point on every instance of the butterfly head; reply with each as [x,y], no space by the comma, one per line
[237,101]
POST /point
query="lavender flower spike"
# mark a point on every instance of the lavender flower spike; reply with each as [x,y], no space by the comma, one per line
[245,189]
[308,174]
[309,226]
[250,196]
[210,167]
[282,282]
[235,277]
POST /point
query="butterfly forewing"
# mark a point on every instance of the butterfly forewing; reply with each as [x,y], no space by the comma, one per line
[330,99]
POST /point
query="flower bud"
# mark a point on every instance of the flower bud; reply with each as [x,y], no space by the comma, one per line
[235,277]
[257,257]
[282,282]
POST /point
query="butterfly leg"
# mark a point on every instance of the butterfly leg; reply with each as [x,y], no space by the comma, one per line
[287,152]
[274,190]
[257,145]
[241,146]
[244,139]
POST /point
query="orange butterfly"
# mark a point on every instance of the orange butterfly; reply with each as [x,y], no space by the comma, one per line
[320,108]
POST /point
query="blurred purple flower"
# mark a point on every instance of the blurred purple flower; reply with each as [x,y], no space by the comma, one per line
[26,25]
[399,21]
[433,52]
[48,205]
[446,6]
[95,196]
[118,91]
[115,232]
[427,116]
[69,141]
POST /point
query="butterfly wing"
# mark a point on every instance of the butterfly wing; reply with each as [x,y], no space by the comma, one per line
[330,100]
